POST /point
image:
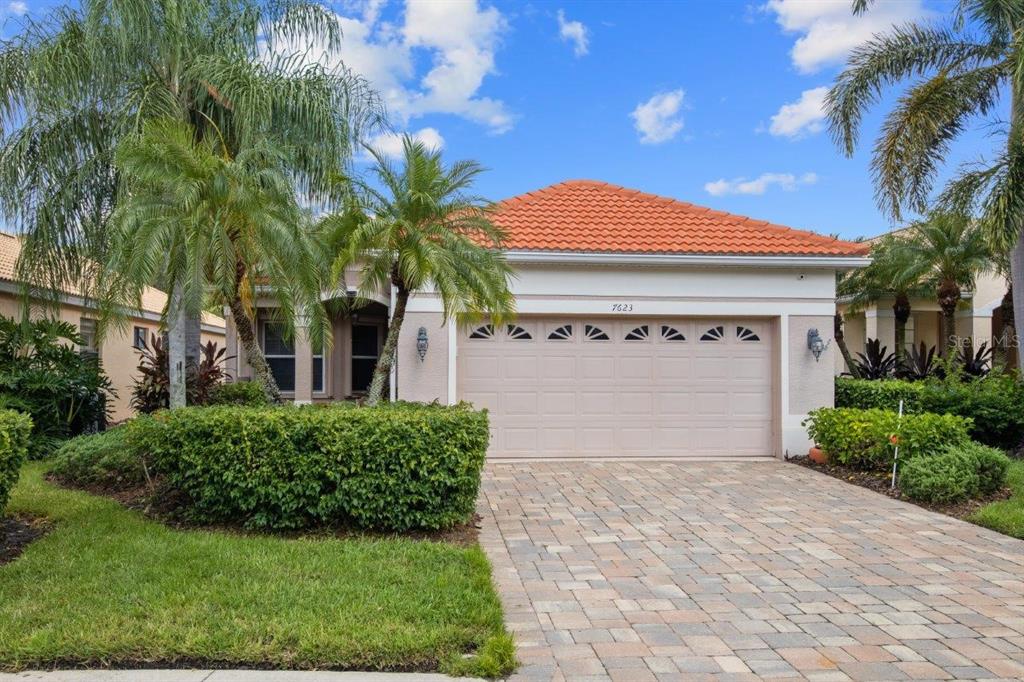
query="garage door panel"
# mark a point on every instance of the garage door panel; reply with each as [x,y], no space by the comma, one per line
[562,393]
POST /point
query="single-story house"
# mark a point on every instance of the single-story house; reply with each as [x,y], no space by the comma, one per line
[646,327]
[119,350]
[979,317]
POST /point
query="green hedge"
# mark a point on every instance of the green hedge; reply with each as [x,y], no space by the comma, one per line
[863,438]
[15,431]
[943,478]
[102,459]
[995,404]
[394,467]
[990,464]
[248,393]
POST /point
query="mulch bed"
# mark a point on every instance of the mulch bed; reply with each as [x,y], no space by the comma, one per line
[159,505]
[880,483]
[16,532]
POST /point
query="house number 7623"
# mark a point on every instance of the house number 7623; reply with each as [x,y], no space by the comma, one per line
[622,307]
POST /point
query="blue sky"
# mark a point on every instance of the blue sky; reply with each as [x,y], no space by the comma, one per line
[716,103]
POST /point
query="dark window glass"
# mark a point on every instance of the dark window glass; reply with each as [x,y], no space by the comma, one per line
[139,339]
[318,374]
[283,370]
[364,340]
[274,342]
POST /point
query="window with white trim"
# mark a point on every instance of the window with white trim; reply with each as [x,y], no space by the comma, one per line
[140,338]
[87,328]
[279,353]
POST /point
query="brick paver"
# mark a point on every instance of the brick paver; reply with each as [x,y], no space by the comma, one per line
[662,570]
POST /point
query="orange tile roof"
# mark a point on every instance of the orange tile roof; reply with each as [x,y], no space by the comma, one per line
[153,300]
[590,216]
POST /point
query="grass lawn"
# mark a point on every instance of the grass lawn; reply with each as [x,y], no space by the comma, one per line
[1006,516]
[108,587]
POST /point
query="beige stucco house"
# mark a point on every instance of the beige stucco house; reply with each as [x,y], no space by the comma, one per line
[647,327]
[979,318]
[118,351]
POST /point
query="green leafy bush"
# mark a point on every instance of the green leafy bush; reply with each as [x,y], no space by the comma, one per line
[995,403]
[989,463]
[43,373]
[863,438]
[15,431]
[884,395]
[249,393]
[102,459]
[394,467]
[946,477]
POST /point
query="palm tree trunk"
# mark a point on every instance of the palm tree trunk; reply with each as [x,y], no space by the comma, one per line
[840,338]
[253,352]
[1007,341]
[901,311]
[948,298]
[1017,254]
[387,356]
[176,317]
[193,338]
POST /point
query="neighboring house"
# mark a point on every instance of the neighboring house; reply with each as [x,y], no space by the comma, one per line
[978,318]
[118,351]
[646,327]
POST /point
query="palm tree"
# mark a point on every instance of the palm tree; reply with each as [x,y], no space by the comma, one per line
[421,230]
[891,274]
[73,86]
[952,251]
[210,221]
[966,77]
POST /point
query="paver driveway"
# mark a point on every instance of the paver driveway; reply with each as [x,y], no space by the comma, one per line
[743,570]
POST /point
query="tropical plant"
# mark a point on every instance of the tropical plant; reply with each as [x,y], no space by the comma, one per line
[421,230]
[875,362]
[919,364]
[974,363]
[840,336]
[951,251]
[961,73]
[151,391]
[891,274]
[229,222]
[76,84]
[43,373]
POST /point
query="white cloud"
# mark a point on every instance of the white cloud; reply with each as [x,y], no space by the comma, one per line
[390,144]
[457,39]
[658,120]
[828,29]
[17,7]
[573,32]
[805,116]
[788,182]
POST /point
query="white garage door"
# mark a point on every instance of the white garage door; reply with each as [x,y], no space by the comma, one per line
[607,387]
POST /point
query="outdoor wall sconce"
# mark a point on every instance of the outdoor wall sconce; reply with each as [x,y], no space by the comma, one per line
[815,343]
[421,343]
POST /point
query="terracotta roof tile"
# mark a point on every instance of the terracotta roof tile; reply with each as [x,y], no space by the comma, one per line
[590,216]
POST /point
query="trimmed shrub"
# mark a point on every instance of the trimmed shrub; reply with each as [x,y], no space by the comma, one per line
[248,393]
[102,459]
[15,432]
[393,467]
[944,478]
[990,464]
[863,438]
[994,403]
[864,394]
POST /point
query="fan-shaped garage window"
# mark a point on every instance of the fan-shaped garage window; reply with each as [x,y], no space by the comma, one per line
[671,334]
[563,333]
[744,334]
[638,334]
[594,333]
[483,332]
[713,334]
[518,333]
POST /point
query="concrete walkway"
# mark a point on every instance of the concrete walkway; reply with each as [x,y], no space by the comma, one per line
[743,571]
[216,676]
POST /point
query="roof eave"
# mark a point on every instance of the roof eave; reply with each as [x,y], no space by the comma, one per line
[606,258]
